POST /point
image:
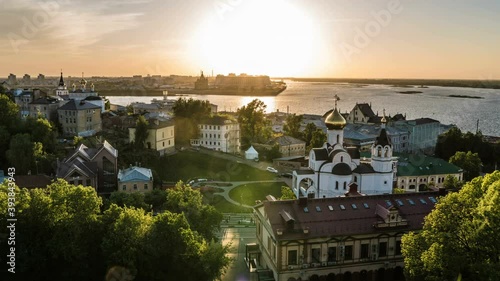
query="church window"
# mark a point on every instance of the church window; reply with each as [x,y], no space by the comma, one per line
[336,185]
[355,178]
[345,185]
[338,138]
[341,158]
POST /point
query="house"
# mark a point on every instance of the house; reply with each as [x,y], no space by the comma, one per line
[23,97]
[362,113]
[418,172]
[135,179]
[219,133]
[160,135]
[288,146]
[364,135]
[341,238]
[333,167]
[80,118]
[45,107]
[423,133]
[96,167]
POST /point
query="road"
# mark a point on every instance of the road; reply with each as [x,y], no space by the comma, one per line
[238,231]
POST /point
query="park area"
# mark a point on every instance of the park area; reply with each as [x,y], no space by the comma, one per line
[186,165]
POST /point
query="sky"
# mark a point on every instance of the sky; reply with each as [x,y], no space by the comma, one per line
[445,39]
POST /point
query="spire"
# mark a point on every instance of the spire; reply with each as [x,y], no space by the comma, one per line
[335,120]
[383,121]
[61,80]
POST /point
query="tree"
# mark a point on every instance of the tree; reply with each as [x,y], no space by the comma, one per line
[253,123]
[188,114]
[204,219]
[155,198]
[318,138]
[21,153]
[460,236]
[308,133]
[141,131]
[292,125]
[41,130]
[287,193]
[469,162]
[124,199]
[8,113]
[451,182]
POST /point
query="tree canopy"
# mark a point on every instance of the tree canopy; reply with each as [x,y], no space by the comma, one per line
[188,113]
[62,234]
[292,125]
[460,236]
[454,140]
[318,139]
[141,131]
[469,162]
[253,122]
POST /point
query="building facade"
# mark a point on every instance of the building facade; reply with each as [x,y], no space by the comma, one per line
[342,238]
[80,118]
[161,135]
[96,167]
[418,172]
[288,146]
[219,133]
[423,133]
[135,179]
[333,167]
[45,108]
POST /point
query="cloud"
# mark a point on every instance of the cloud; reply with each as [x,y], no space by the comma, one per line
[64,25]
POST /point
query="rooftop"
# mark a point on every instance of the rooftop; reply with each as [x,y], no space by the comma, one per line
[135,174]
[78,105]
[342,216]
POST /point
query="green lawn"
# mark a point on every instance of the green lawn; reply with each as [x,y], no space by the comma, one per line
[249,193]
[225,207]
[188,164]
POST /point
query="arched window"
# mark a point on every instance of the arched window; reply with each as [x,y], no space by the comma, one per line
[379,152]
[336,185]
[345,185]
[338,139]
[341,158]
[355,178]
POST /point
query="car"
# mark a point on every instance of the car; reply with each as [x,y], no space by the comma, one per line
[272,170]
[287,175]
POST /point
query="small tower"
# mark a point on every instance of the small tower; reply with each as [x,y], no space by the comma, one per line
[382,150]
[83,83]
[335,123]
[61,89]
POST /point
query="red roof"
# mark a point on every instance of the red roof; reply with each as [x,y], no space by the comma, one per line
[341,216]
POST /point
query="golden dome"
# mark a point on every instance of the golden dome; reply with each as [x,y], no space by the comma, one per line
[335,120]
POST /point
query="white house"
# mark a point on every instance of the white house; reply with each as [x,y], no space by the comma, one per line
[219,133]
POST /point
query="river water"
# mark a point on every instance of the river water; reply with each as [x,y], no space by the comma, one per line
[318,97]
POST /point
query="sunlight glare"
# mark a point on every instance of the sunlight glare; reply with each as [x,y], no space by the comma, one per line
[270,37]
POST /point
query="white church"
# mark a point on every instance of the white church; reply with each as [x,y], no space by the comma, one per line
[334,170]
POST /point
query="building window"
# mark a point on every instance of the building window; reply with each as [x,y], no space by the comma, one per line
[398,248]
[163,144]
[292,257]
[336,185]
[80,182]
[135,186]
[348,252]
[124,187]
[341,158]
[145,186]
[355,178]
[364,251]
[315,255]
[87,183]
[332,254]
[382,249]
[345,185]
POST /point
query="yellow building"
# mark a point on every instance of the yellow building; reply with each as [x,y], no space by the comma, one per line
[135,179]
[80,118]
[342,238]
[160,135]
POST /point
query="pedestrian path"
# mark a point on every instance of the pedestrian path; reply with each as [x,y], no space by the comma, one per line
[225,193]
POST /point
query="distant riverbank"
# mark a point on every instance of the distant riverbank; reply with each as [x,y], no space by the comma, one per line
[422,83]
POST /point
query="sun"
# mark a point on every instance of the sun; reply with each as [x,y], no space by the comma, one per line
[271,37]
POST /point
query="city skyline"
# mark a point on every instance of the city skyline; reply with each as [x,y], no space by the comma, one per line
[280,38]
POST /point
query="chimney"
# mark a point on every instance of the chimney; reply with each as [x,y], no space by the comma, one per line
[302,201]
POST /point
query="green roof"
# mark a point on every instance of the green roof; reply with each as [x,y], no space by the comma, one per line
[420,165]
